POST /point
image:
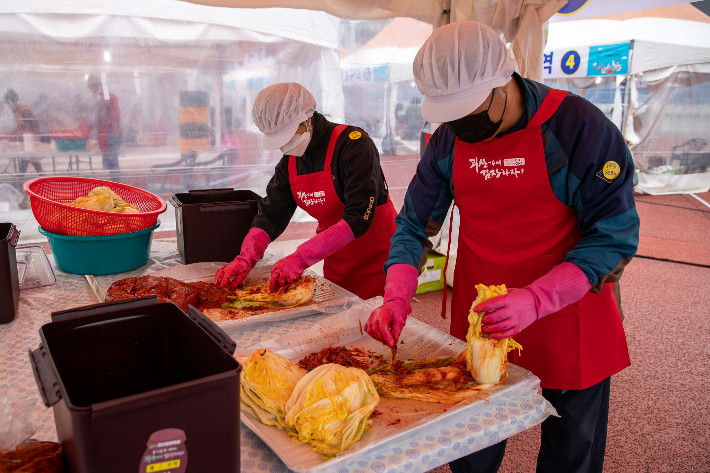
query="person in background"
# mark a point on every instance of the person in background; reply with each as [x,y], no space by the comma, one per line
[108,124]
[27,128]
[414,119]
[333,173]
[44,113]
[543,184]
[230,143]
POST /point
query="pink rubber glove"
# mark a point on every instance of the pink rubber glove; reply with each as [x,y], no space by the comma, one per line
[253,248]
[386,322]
[288,269]
[565,284]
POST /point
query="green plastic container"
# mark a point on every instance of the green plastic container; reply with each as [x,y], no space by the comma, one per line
[71,144]
[98,255]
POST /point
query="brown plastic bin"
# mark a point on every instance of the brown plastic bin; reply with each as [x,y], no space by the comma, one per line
[211,224]
[9,284]
[140,386]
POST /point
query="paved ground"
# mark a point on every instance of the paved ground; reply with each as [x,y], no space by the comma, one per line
[660,406]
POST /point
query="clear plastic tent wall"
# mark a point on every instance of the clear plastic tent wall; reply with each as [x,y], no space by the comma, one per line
[670,112]
[666,127]
[664,109]
[172,87]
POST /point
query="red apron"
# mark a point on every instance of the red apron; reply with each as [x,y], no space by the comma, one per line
[514,230]
[359,265]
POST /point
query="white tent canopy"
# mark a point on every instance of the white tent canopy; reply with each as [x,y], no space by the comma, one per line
[658,42]
[169,20]
[426,10]
[438,11]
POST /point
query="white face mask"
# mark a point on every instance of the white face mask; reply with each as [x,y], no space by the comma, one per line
[297,145]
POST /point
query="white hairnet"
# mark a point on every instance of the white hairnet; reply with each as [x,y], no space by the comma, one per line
[279,109]
[457,67]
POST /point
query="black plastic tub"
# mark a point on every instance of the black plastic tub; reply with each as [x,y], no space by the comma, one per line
[140,386]
[211,224]
[9,284]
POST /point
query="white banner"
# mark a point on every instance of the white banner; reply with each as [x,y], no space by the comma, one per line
[580,9]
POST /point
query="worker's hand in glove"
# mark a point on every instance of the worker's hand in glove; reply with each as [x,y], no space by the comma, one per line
[287,270]
[310,252]
[565,284]
[386,322]
[511,314]
[233,274]
[253,248]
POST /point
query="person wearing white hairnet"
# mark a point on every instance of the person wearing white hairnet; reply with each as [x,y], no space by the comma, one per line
[333,173]
[543,184]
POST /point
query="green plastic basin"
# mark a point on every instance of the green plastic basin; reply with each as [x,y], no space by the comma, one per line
[98,255]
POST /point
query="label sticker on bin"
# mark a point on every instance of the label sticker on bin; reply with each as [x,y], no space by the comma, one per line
[166,452]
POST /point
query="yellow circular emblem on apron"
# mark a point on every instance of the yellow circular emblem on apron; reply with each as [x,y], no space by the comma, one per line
[355,135]
[611,170]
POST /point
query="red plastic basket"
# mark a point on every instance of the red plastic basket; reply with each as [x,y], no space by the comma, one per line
[70,133]
[49,195]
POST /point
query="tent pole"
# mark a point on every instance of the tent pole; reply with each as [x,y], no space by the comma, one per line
[218,83]
[627,91]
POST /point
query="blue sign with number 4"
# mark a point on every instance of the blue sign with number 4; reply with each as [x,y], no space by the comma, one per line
[570,62]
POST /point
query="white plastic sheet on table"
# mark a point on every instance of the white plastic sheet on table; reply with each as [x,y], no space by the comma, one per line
[436,444]
[419,341]
[328,298]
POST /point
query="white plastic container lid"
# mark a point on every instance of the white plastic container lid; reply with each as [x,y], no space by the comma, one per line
[38,272]
[21,269]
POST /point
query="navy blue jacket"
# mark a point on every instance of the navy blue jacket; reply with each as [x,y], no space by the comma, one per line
[578,141]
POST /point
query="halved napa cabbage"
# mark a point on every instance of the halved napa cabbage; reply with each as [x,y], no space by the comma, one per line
[105,200]
[105,191]
[103,203]
[487,358]
[330,408]
[267,381]
[120,205]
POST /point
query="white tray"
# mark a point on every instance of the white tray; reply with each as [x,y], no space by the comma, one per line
[328,297]
[420,341]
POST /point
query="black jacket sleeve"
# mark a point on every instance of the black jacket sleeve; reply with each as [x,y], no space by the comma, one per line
[277,208]
[361,180]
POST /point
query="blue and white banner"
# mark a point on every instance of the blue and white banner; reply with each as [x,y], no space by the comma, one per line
[365,74]
[586,61]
